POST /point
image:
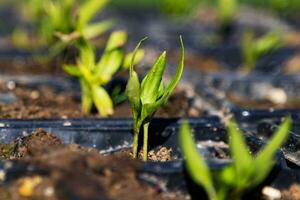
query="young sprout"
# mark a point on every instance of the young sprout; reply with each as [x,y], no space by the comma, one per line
[226,11]
[60,22]
[146,97]
[243,173]
[253,49]
[94,75]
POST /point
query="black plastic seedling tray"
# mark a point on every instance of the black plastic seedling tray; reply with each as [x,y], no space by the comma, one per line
[261,122]
[110,135]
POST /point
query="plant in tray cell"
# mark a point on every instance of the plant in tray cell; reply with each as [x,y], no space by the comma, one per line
[58,23]
[146,97]
[94,75]
[243,173]
[253,49]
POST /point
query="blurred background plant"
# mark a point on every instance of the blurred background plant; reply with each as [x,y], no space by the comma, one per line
[243,173]
[254,48]
[94,75]
[58,23]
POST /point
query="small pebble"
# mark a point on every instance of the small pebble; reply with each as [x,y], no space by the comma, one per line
[277,95]
[34,95]
[271,193]
[2,175]
[49,191]
[11,85]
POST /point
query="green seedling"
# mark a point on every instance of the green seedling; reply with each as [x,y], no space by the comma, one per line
[94,75]
[146,97]
[58,23]
[243,173]
[253,49]
[226,10]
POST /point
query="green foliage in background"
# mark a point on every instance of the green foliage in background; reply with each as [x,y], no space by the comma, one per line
[254,48]
[178,7]
[245,171]
[168,7]
[147,97]
[94,75]
[226,10]
[57,23]
[279,6]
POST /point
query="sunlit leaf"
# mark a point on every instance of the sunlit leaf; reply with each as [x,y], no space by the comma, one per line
[86,97]
[128,58]
[88,10]
[116,40]
[240,154]
[179,71]
[265,158]
[133,91]
[195,164]
[87,56]
[72,70]
[96,29]
[102,101]
[267,43]
[152,81]
[110,63]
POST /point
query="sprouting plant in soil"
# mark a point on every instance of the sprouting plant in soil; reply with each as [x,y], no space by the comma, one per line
[94,75]
[243,173]
[146,97]
[253,49]
[60,22]
[226,10]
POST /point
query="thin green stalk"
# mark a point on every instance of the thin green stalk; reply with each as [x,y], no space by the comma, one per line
[145,144]
[135,142]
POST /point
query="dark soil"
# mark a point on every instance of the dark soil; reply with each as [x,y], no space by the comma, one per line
[65,172]
[44,102]
[21,66]
[162,155]
[202,63]
[39,103]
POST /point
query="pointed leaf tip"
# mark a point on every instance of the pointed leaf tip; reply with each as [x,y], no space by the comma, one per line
[134,54]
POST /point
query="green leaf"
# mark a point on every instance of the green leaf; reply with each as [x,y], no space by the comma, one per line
[152,81]
[96,29]
[179,71]
[128,58]
[87,56]
[195,164]
[86,97]
[72,70]
[264,161]
[249,54]
[86,73]
[102,101]
[240,154]
[267,43]
[135,52]
[116,40]
[133,92]
[109,64]
[88,10]
[171,86]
